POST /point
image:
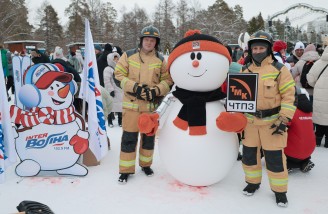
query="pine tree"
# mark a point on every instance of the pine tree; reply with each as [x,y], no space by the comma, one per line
[14,24]
[49,28]
[255,24]
[76,12]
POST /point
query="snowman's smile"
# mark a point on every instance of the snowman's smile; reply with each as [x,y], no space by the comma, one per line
[56,102]
[197,75]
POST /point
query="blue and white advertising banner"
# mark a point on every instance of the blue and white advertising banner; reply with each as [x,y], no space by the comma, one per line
[7,146]
[90,89]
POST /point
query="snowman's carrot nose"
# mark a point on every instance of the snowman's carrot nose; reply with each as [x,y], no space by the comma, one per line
[62,93]
[195,63]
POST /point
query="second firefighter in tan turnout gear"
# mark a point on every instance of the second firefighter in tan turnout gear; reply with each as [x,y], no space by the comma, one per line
[266,129]
[143,77]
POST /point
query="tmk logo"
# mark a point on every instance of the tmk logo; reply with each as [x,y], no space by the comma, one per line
[37,143]
[239,92]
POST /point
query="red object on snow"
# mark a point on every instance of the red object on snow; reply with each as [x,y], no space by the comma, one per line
[301,138]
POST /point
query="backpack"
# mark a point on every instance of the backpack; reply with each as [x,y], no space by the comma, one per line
[306,68]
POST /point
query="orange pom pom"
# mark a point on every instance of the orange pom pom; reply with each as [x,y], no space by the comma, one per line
[192,32]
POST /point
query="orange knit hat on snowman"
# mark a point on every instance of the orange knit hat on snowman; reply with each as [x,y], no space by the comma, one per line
[194,40]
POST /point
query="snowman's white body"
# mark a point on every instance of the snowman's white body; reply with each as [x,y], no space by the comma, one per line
[204,159]
[197,160]
[51,150]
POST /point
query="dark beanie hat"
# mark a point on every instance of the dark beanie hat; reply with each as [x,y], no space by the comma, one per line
[108,47]
[194,40]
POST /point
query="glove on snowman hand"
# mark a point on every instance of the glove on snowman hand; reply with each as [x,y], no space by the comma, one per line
[148,123]
[231,122]
[80,142]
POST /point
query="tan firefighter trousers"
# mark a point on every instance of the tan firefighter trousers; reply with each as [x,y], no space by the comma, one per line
[129,144]
[257,137]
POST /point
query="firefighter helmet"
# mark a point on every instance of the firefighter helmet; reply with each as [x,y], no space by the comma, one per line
[260,36]
[150,31]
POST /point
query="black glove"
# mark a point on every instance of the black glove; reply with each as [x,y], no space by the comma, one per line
[138,90]
[280,126]
[150,94]
[112,93]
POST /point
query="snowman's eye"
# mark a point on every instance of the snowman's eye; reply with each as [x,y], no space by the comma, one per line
[57,85]
[199,56]
[51,88]
[192,56]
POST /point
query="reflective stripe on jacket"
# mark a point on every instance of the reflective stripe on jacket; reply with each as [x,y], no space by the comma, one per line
[275,88]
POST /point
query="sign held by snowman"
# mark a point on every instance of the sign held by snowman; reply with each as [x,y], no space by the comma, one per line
[51,135]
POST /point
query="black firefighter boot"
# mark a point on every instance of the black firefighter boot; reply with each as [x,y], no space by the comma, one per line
[148,171]
[250,189]
[281,199]
[123,179]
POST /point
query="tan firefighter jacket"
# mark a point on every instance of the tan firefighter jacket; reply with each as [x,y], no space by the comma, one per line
[275,88]
[137,67]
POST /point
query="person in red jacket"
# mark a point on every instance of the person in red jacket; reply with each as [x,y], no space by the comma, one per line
[301,138]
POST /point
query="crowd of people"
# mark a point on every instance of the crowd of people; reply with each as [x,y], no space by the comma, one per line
[290,120]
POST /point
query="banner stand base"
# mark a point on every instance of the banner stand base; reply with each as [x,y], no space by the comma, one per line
[89,159]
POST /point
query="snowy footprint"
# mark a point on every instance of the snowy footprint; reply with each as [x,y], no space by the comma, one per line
[28,168]
[76,169]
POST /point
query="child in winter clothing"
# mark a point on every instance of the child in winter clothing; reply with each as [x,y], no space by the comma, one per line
[301,139]
[113,89]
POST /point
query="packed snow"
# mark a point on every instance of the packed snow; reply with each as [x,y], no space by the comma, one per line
[99,192]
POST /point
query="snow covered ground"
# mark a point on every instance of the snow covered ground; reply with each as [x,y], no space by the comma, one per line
[99,192]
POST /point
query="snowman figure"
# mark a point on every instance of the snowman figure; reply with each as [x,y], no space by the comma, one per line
[197,141]
[51,135]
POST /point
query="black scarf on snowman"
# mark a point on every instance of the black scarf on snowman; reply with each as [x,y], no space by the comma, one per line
[193,112]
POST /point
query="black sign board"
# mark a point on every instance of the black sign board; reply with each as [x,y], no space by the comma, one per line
[242,92]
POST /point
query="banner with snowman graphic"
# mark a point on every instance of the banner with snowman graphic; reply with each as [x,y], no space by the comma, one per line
[51,135]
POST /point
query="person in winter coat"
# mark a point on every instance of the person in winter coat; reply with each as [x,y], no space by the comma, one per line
[310,56]
[301,139]
[318,78]
[74,61]
[144,79]
[102,63]
[279,48]
[244,59]
[3,53]
[115,91]
[80,58]
[296,54]
[118,50]
[38,57]
[266,128]
[59,58]
[98,51]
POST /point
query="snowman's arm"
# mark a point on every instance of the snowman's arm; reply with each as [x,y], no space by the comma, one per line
[164,109]
[80,121]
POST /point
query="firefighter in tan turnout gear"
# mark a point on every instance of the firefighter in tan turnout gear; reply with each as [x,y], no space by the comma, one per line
[143,77]
[266,128]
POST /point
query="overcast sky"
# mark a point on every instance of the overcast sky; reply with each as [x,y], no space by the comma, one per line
[251,7]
